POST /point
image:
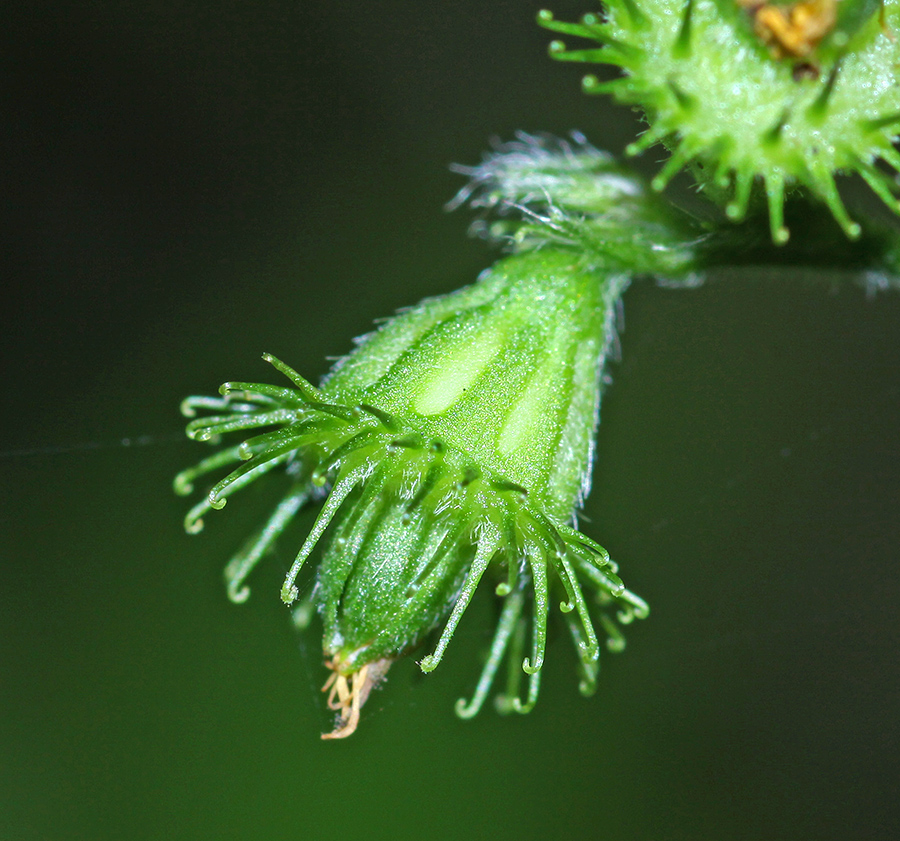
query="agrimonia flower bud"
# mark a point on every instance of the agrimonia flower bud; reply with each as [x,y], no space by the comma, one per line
[453,444]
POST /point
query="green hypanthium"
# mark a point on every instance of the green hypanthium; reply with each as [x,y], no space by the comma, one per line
[754,95]
[454,444]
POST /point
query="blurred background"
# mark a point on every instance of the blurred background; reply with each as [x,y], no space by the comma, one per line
[185,186]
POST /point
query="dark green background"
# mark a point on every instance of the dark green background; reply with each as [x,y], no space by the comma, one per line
[188,185]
